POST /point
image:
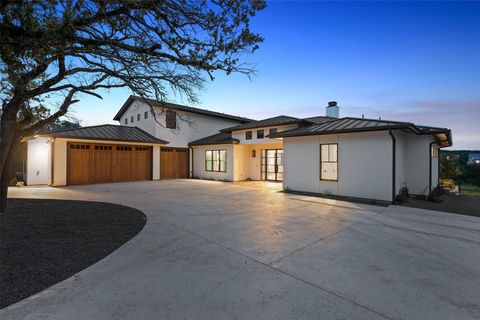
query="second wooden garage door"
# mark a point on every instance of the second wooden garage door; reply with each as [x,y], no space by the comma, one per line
[173,163]
[97,163]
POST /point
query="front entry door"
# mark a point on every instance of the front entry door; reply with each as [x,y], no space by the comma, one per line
[272,164]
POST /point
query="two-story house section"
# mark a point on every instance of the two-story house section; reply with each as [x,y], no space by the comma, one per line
[177,124]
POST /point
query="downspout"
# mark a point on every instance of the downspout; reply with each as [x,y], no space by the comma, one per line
[394,149]
[430,167]
[191,151]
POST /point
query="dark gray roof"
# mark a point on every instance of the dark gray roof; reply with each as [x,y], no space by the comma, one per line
[219,138]
[320,119]
[345,125]
[275,121]
[180,107]
[107,132]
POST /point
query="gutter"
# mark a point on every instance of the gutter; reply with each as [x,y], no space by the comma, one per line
[394,165]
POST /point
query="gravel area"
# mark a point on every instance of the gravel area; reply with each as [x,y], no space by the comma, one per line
[43,242]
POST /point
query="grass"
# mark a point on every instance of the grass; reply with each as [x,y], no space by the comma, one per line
[470,190]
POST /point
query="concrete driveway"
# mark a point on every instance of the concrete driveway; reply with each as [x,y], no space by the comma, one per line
[214,250]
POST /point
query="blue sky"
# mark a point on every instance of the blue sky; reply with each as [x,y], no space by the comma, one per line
[408,61]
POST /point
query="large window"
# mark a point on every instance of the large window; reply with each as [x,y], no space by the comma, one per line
[216,160]
[171,119]
[329,162]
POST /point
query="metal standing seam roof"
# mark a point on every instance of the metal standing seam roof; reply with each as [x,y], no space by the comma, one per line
[180,107]
[348,124]
[108,132]
[219,138]
[275,121]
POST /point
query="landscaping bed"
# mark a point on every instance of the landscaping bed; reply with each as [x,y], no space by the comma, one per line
[43,242]
[464,204]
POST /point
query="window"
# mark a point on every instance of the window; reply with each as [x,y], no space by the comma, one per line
[138,117]
[216,160]
[248,135]
[145,115]
[171,119]
[272,131]
[329,162]
[131,119]
[126,120]
[260,134]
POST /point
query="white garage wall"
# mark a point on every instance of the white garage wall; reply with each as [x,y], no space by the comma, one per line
[39,161]
[364,165]
[199,163]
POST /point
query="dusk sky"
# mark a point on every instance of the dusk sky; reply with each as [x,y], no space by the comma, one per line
[408,61]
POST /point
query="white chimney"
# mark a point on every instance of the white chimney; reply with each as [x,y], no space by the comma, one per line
[332,110]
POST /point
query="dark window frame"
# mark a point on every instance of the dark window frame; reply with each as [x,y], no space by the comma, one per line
[171,119]
[138,117]
[145,115]
[132,119]
[262,131]
[218,168]
[321,162]
[248,135]
[272,131]
[126,120]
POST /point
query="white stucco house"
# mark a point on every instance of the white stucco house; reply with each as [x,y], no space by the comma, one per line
[349,157]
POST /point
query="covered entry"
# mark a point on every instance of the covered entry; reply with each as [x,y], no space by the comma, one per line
[272,164]
[173,163]
[97,163]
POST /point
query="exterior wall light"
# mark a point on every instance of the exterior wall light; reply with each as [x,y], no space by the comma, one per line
[254,153]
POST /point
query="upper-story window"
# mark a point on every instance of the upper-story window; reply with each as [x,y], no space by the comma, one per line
[260,134]
[126,120]
[145,115]
[138,117]
[273,131]
[171,119]
[248,135]
[131,119]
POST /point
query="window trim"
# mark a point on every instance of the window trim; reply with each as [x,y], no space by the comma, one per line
[251,135]
[320,153]
[263,133]
[219,160]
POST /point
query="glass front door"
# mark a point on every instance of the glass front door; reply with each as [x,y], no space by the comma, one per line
[272,164]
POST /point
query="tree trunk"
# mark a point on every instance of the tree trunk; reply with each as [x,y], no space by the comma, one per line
[9,144]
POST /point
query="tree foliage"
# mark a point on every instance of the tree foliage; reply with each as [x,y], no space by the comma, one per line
[53,50]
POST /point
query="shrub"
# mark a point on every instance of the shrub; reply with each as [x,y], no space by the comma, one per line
[448,183]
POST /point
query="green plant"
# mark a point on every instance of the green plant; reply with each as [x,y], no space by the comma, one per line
[403,194]
[436,193]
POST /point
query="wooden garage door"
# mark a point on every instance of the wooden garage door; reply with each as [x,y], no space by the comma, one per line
[173,163]
[97,163]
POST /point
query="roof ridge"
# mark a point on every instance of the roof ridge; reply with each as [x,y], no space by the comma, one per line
[86,127]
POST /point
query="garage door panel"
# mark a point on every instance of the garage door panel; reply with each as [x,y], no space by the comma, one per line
[98,163]
[141,164]
[173,163]
[79,163]
[123,168]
